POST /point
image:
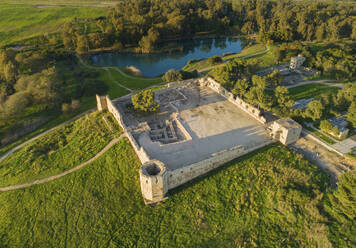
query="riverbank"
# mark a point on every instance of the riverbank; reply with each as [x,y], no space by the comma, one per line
[169,48]
[181,52]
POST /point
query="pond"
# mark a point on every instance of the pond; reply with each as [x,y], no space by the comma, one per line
[156,64]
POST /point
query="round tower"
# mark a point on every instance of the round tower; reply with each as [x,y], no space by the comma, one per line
[153,181]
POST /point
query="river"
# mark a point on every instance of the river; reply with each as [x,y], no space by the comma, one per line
[156,64]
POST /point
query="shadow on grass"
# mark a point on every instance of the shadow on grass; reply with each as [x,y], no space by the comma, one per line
[219,169]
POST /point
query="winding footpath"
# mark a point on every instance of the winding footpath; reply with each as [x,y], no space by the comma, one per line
[107,69]
[8,153]
[103,68]
[51,178]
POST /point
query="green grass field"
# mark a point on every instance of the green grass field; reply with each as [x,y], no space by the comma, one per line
[134,83]
[311,90]
[248,51]
[59,150]
[269,198]
[19,22]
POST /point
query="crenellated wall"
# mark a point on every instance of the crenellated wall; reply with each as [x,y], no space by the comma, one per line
[140,151]
[155,178]
[183,175]
[246,107]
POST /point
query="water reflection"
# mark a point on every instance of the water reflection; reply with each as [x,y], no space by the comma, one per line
[157,64]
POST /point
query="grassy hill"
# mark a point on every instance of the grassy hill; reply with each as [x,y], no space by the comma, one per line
[60,150]
[23,21]
[270,198]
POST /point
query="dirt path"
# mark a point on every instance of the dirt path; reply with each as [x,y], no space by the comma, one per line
[42,134]
[51,178]
[326,160]
[106,69]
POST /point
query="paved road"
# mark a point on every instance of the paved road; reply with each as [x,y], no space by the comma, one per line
[324,82]
[51,178]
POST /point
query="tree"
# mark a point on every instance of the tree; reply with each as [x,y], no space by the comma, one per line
[284,100]
[240,87]
[214,60]
[10,72]
[144,101]
[172,76]
[314,110]
[66,108]
[16,103]
[148,43]
[351,114]
[259,82]
[326,126]
[82,44]
[274,78]
[75,105]
[42,87]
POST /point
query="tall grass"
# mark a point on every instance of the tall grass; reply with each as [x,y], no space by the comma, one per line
[59,150]
[268,198]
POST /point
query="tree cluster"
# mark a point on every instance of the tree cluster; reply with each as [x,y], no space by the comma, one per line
[265,92]
[145,23]
[144,101]
[174,75]
[332,60]
[332,104]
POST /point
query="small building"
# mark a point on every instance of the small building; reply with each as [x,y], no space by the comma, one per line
[285,131]
[302,103]
[296,62]
[341,123]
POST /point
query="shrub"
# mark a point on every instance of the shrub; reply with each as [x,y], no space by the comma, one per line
[144,101]
[75,104]
[172,76]
[326,126]
[214,60]
[65,108]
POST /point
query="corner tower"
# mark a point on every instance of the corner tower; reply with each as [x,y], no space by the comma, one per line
[153,181]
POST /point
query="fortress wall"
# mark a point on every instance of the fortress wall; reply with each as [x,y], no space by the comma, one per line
[140,151]
[180,176]
[248,108]
[112,109]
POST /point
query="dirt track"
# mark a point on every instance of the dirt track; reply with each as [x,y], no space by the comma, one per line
[51,178]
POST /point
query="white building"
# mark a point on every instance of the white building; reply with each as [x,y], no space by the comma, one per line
[296,62]
[285,131]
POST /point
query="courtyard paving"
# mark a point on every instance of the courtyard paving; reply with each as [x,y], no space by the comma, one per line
[214,124]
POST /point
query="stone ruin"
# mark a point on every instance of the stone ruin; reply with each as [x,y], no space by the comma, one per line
[199,127]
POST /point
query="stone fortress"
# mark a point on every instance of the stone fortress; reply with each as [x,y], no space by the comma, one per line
[199,127]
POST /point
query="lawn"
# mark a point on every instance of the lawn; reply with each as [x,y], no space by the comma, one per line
[248,51]
[19,22]
[311,90]
[134,83]
[269,198]
[59,150]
